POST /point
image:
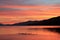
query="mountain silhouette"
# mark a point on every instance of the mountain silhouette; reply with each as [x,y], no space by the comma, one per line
[51,21]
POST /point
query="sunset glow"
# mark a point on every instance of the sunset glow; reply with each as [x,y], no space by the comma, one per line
[13,11]
[24,13]
[29,19]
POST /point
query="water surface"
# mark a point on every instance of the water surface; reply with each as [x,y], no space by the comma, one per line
[28,33]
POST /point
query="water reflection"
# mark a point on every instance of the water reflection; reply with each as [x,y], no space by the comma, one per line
[30,33]
[26,34]
[57,30]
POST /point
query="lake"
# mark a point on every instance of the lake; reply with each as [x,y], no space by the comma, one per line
[28,33]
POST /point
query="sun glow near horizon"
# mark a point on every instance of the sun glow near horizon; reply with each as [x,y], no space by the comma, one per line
[16,19]
[10,14]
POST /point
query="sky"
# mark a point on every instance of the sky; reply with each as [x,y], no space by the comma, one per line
[12,11]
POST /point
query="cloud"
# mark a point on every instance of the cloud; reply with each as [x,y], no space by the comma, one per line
[4,9]
[21,9]
[29,2]
[28,11]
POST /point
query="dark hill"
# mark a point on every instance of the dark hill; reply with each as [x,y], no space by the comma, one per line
[51,21]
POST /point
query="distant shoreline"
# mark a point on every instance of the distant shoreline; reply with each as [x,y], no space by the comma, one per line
[30,25]
[49,22]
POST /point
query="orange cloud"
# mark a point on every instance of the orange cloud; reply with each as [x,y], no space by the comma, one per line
[23,13]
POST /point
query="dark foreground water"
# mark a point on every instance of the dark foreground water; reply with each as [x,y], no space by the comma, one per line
[29,33]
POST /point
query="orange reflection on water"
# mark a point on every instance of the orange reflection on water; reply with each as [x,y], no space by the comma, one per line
[28,33]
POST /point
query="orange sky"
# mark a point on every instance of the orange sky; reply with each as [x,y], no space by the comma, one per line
[13,14]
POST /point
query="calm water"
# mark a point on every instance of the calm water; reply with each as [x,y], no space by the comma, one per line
[28,33]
